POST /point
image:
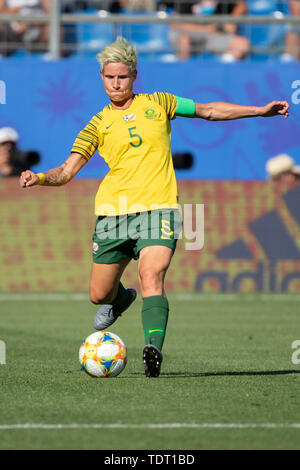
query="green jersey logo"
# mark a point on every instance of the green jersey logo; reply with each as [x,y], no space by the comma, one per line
[150,114]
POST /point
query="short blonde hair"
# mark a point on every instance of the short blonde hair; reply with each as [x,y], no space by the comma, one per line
[119,51]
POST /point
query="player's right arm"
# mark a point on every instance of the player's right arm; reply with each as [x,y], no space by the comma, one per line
[56,176]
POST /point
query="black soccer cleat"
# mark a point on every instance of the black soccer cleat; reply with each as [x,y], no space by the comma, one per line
[152,358]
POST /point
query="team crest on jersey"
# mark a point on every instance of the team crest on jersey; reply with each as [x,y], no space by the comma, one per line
[129,117]
[150,114]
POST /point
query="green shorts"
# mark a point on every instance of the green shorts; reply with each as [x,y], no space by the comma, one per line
[119,237]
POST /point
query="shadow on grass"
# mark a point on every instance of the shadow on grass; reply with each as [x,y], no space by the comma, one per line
[225,373]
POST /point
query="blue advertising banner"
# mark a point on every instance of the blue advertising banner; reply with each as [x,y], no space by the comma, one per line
[48,103]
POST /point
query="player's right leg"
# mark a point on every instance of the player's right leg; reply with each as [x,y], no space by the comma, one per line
[106,289]
[105,280]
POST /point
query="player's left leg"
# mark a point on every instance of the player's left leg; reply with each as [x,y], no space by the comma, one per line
[153,264]
[106,289]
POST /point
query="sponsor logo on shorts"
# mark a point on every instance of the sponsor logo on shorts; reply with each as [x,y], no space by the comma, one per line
[95,246]
[166,231]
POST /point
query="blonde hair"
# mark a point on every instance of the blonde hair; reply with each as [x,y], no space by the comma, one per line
[119,51]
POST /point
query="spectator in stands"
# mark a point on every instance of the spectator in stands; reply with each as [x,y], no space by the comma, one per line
[24,33]
[68,6]
[282,168]
[13,160]
[292,41]
[109,5]
[138,5]
[220,39]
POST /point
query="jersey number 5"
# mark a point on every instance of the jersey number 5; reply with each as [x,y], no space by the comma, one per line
[132,134]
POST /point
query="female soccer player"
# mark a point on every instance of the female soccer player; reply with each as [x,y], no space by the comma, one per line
[137,202]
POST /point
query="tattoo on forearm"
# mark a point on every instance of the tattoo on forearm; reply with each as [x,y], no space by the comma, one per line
[56,177]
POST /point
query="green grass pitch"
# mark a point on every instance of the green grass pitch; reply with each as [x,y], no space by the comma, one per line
[227,379]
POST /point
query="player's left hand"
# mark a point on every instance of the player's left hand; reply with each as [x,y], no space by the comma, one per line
[275,108]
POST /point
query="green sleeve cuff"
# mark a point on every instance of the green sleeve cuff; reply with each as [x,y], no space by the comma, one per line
[185,107]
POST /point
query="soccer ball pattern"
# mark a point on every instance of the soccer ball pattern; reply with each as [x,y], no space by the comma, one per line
[103,354]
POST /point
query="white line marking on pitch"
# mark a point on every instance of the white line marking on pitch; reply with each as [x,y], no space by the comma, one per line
[5,427]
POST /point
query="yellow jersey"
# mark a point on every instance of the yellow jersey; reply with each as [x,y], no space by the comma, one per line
[136,145]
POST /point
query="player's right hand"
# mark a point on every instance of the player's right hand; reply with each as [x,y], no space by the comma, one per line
[28,178]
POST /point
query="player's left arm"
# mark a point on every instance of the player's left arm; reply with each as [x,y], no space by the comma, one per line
[222,111]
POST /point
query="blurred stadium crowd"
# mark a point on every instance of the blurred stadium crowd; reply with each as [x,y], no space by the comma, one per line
[225,166]
[166,41]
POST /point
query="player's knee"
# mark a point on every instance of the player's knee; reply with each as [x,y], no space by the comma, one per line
[150,278]
[99,296]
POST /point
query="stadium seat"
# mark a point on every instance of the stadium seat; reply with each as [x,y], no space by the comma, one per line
[92,37]
[150,39]
[265,36]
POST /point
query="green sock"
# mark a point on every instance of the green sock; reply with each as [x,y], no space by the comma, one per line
[123,297]
[155,312]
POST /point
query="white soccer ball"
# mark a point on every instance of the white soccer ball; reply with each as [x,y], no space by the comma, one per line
[103,354]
